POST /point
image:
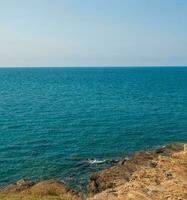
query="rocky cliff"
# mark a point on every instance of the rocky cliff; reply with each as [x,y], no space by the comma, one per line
[150,175]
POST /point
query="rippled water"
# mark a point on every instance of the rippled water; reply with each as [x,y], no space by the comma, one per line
[53,119]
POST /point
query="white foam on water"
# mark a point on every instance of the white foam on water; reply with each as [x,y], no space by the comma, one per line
[95,161]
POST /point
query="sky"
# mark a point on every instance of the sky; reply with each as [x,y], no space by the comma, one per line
[93,33]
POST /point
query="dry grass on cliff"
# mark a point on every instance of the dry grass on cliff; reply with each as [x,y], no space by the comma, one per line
[31,197]
[21,197]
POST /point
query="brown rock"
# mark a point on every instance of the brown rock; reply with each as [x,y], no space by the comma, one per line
[164,179]
[26,188]
[19,186]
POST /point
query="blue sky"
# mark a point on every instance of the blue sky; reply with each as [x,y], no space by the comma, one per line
[93,32]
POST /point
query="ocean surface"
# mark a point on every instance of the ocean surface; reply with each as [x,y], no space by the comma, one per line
[53,120]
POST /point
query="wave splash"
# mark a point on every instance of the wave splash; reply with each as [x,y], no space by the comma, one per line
[95,161]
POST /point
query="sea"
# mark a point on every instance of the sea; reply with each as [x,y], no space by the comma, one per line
[67,123]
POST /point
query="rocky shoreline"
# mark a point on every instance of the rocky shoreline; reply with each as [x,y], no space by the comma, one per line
[148,175]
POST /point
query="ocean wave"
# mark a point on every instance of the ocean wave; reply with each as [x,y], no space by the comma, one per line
[95,161]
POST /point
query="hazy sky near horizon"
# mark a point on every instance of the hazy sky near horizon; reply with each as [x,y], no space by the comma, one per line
[93,32]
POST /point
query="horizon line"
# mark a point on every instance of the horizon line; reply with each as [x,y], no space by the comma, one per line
[97,66]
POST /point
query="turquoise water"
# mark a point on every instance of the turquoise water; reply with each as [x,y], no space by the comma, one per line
[53,119]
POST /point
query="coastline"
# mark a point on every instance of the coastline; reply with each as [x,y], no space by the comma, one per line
[135,176]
